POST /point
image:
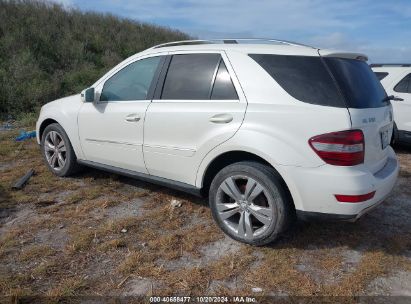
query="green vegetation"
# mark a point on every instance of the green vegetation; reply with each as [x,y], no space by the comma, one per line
[48,51]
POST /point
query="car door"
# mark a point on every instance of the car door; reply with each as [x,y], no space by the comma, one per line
[111,129]
[197,106]
[402,106]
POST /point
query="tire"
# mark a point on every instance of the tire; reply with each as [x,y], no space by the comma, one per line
[54,135]
[269,213]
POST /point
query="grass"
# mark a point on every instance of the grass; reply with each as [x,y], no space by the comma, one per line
[81,239]
[35,252]
[67,287]
[86,194]
[45,268]
[9,240]
[16,284]
[62,238]
[139,263]
[112,245]
[27,120]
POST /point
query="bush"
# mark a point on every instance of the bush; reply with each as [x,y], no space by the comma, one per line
[48,51]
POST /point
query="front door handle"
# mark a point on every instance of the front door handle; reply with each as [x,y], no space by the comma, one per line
[133,118]
[221,118]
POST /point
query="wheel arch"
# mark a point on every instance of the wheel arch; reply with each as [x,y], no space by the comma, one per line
[44,124]
[223,160]
[66,127]
[229,157]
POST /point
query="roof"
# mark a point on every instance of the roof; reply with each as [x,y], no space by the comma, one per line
[230,41]
[252,45]
[241,45]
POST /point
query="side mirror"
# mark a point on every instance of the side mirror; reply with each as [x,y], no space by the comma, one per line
[88,95]
[396,98]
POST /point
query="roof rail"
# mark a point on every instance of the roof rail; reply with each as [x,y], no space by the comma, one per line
[375,65]
[229,41]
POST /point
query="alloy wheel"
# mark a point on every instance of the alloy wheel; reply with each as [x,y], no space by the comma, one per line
[244,206]
[55,150]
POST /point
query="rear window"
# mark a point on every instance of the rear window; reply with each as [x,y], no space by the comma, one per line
[304,77]
[190,76]
[381,75]
[358,83]
[334,82]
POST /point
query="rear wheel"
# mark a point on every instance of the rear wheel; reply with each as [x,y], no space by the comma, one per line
[57,151]
[250,203]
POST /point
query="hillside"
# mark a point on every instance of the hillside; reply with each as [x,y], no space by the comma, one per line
[47,51]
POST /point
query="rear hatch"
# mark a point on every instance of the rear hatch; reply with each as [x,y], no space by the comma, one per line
[366,102]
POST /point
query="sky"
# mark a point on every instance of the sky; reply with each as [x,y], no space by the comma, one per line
[380,29]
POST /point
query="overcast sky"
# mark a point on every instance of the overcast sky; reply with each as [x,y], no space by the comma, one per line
[381,29]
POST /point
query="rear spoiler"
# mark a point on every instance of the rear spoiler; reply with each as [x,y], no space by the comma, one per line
[380,65]
[342,54]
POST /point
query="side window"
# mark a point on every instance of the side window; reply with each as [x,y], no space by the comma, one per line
[381,75]
[190,76]
[132,82]
[223,86]
[404,86]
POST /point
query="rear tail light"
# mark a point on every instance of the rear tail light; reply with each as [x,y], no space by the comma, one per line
[345,148]
[354,198]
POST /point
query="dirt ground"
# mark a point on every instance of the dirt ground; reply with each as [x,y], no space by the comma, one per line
[102,234]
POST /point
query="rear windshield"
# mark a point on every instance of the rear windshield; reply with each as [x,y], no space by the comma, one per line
[358,83]
[331,82]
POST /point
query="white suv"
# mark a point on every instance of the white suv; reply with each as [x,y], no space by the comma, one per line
[396,79]
[266,130]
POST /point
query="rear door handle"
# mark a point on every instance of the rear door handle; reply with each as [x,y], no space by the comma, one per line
[133,117]
[221,118]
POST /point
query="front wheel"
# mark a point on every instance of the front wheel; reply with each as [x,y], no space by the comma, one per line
[57,151]
[250,202]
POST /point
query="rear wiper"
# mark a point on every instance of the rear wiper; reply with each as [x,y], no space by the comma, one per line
[387,98]
[391,97]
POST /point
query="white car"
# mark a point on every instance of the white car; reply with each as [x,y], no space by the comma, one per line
[396,79]
[266,129]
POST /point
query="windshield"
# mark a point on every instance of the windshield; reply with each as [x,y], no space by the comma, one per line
[357,82]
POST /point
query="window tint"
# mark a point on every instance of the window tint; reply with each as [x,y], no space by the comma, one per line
[381,75]
[223,86]
[357,82]
[304,77]
[190,76]
[404,86]
[132,82]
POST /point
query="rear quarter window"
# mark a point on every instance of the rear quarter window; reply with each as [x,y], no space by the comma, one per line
[305,78]
[381,75]
[223,88]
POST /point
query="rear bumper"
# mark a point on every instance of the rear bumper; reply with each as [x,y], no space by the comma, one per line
[332,217]
[314,189]
[324,217]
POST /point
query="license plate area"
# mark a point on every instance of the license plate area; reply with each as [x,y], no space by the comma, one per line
[385,137]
